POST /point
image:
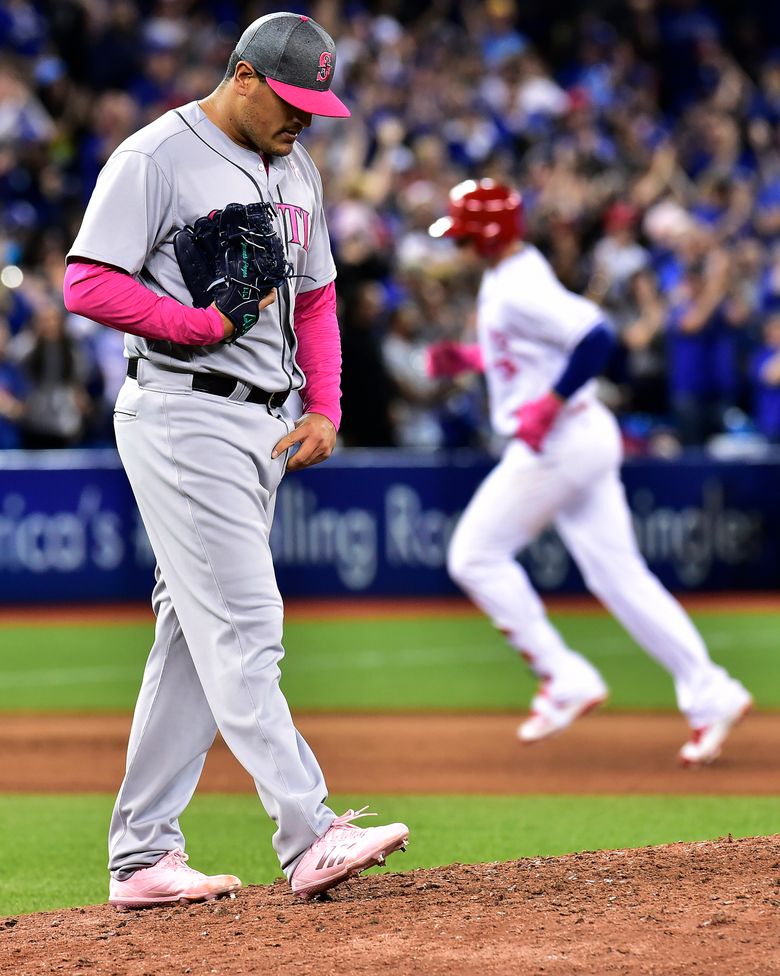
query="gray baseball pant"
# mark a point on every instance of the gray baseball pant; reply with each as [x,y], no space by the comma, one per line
[201,470]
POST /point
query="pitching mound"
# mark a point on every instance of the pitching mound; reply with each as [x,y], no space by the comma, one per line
[697,909]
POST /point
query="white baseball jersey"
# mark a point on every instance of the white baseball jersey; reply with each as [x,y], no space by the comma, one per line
[182,167]
[527,325]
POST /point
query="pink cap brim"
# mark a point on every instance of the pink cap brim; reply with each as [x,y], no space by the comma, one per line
[308,100]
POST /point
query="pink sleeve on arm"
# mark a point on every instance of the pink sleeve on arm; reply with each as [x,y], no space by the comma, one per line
[116,299]
[319,351]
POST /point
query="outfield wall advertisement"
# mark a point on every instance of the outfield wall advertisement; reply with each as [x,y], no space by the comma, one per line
[376,523]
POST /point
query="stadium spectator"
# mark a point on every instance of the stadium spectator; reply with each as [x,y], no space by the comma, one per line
[629,135]
[640,363]
[56,406]
[765,373]
[415,410]
[617,257]
[12,391]
[367,390]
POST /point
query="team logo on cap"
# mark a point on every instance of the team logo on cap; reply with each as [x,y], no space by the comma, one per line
[326,66]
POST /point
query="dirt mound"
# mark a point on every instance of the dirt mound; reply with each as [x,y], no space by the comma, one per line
[708,909]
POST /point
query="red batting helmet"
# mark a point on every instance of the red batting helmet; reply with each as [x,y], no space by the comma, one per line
[488,213]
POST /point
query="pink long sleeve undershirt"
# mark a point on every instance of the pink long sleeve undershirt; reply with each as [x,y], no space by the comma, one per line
[319,351]
[116,299]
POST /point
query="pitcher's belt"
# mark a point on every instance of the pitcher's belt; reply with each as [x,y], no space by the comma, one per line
[223,386]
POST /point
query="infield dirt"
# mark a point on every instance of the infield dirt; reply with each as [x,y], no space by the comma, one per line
[430,753]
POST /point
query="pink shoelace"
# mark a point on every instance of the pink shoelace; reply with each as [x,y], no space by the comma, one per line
[345,819]
[177,861]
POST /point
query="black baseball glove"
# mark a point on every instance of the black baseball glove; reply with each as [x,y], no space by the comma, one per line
[232,258]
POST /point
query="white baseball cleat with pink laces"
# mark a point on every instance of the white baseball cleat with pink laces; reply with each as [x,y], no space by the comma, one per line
[345,850]
[169,880]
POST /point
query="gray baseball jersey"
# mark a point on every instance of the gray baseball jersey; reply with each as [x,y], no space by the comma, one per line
[168,174]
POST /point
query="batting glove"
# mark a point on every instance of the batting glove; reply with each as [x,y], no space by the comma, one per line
[536,418]
[448,359]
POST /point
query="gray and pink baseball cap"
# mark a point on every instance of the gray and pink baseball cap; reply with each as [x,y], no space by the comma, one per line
[297,58]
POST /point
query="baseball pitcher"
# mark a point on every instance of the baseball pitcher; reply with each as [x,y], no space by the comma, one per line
[205,241]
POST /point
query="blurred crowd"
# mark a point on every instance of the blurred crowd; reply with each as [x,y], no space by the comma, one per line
[644,136]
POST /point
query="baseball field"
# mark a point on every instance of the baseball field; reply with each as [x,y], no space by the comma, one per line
[549,859]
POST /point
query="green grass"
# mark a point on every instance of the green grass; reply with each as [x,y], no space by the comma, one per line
[52,852]
[52,849]
[413,662]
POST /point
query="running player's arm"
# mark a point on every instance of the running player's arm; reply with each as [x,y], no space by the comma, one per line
[587,360]
[536,418]
[556,317]
[448,359]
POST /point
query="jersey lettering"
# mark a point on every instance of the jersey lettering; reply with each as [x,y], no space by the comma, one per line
[297,222]
[506,368]
[503,364]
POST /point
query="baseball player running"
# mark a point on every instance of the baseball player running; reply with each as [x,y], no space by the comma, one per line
[205,438]
[540,347]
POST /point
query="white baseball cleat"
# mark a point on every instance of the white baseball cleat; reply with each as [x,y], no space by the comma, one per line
[550,716]
[706,742]
[345,850]
[169,880]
